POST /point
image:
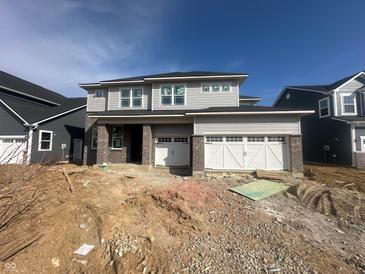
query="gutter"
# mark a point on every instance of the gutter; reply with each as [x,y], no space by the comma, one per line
[251,112]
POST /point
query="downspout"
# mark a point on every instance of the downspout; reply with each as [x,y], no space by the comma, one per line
[30,140]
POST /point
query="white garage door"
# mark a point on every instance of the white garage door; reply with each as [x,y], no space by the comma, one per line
[11,150]
[246,152]
[172,151]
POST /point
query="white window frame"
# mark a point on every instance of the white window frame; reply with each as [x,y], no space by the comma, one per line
[343,106]
[130,97]
[94,137]
[117,148]
[320,108]
[210,84]
[362,140]
[40,140]
[173,94]
[102,92]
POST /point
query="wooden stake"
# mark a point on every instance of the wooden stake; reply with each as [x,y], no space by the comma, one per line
[70,183]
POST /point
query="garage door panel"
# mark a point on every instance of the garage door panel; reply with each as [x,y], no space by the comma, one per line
[172,151]
[11,150]
[256,156]
[233,156]
[277,156]
[214,156]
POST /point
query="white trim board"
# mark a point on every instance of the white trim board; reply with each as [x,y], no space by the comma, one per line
[58,115]
[251,112]
[13,111]
[135,116]
[354,77]
[40,140]
[362,145]
[328,106]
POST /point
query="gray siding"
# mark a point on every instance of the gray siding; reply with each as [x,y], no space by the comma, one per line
[359,131]
[318,132]
[196,99]
[249,124]
[172,130]
[96,104]
[114,97]
[10,124]
[65,130]
[355,85]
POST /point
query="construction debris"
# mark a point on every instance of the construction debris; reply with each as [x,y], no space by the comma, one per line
[271,175]
[84,249]
[70,183]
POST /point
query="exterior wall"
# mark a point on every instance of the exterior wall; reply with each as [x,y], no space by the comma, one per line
[146,145]
[114,97]
[359,131]
[65,130]
[96,104]
[172,129]
[10,124]
[351,87]
[296,154]
[319,132]
[89,153]
[195,98]
[247,124]
[359,160]
[198,155]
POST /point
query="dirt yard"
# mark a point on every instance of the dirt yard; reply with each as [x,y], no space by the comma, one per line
[143,221]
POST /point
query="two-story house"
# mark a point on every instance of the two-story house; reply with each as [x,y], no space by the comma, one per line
[336,132]
[189,119]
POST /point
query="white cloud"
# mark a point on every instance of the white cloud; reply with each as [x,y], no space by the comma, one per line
[59,44]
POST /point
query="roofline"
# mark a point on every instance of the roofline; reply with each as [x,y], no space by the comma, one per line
[251,99]
[161,78]
[136,116]
[31,96]
[352,78]
[348,122]
[13,111]
[58,115]
[251,112]
[292,87]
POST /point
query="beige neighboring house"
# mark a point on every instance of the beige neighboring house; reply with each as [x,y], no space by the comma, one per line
[195,120]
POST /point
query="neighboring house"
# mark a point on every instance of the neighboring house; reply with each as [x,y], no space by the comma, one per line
[336,132]
[188,119]
[38,125]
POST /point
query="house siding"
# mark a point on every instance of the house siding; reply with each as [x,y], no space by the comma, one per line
[195,98]
[114,97]
[172,130]
[359,131]
[65,130]
[10,124]
[355,85]
[257,124]
[96,104]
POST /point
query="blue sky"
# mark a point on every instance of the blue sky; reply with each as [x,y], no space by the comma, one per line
[59,44]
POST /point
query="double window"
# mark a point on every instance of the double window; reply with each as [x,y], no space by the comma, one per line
[173,95]
[324,107]
[45,140]
[348,104]
[117,137]
[216,87]
[131,98]
[99,94]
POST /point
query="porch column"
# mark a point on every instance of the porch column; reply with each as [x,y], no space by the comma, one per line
[197,155]
[102,148]
[296,153]
[146,144]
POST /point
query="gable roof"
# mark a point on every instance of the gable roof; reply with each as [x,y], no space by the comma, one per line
[170,75]
[28,89]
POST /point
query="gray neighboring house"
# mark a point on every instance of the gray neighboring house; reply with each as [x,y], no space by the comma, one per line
[196,120]
[38,125]
[335,133]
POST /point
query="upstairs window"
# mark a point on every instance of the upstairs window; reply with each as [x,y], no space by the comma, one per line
[99,94]
[348,104]
[117,137]
[324,107]
[45,140]
[173,95]
[216,87]
[131,97]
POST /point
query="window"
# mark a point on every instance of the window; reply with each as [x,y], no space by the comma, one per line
[206,88]
[99,93]
[173,95]
[256,139]
[324,107]
[216,87]
[45,140]
[280,139]
[181,140]
[234,139]
[117,137]
[226,87]
[214,139]
[348,104]
[164,140]
[131,97]
[94,137]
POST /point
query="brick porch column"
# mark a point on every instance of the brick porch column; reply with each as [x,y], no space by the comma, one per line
[197,155]
[146,144]
[102,149]
[296,153]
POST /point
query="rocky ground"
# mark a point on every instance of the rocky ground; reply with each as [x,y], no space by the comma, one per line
[143,221]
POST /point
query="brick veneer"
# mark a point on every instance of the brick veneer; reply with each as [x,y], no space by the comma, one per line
[103,140]
[360,160]
[198,155]
[146,144]
[296,153]
[89,154]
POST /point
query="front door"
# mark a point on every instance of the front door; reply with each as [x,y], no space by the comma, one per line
[77,153]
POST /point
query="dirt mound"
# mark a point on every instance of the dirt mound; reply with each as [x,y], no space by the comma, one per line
[335,201]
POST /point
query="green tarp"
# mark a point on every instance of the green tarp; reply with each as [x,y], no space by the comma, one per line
[259,189]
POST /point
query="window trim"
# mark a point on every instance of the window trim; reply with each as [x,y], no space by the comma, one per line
[122,144]
[91,139]
[130,98]
[40,140]
[328,106]
[210,84]
[362,143]
[172,94]
[342,95]
[102,93]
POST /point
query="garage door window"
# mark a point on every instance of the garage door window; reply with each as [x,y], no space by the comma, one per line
[45,140]
[256,139]
[214,139]
[181,140]
[164,140]
[280,139]
[234,139]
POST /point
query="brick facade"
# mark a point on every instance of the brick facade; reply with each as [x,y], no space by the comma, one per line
[197,155]
[146,144]
[103,140]
[89,153]
[296,153]
[359,160]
